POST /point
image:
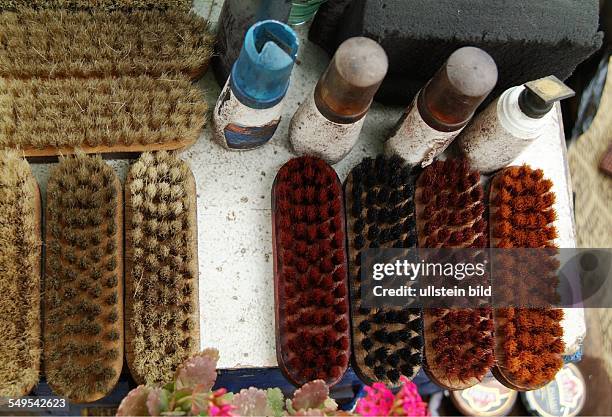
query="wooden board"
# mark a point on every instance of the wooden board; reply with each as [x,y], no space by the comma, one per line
[130,282]
[120,150]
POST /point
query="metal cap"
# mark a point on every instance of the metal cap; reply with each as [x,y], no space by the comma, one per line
[260,76]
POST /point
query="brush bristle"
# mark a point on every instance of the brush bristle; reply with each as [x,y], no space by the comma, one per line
[311,270]
[162,301]
[92,5]
[20,277]
[83,300]
[125,111]
[529,340]
[380,214]
[450,214]
[85,44]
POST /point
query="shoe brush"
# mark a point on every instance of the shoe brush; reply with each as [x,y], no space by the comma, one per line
[310,272]
[20,269]
[161,280]
[528,340]
[450,212]
[83,287]
[387,342]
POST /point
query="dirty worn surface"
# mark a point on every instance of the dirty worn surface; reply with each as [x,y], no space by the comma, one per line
[234,225]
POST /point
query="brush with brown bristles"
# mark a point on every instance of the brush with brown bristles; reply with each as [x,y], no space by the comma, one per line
[529,341]
[109,5]
[387,342]
[116,115]
[20,254]
[450,214]
[82,44]
[161,276]
[310,272]
[83,296]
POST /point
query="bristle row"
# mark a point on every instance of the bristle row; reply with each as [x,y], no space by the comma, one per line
[529,340]
[379,196]
[450,214]
[20,277]
[83,285]
[162,273]
[311,271]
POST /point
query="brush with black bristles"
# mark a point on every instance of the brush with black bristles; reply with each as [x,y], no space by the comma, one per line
[161,276]
[20,269]
[450,214]
[387,342]
[312,306]
[83,296]
[529,341]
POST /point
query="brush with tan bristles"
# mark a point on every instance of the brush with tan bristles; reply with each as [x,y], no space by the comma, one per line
[20,255]
[83,297]
[109,5]
[161,277]
[53,117]
[62,44]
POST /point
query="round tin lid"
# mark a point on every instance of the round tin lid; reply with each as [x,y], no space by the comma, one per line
[564,396]
[489,398]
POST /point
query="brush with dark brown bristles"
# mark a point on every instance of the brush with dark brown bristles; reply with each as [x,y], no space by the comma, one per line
[83,297]
[529,341]
[450,214]
[387,342]
[20,268]
[312,317]
[161,276]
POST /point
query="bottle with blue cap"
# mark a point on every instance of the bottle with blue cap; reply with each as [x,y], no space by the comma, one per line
[248,110]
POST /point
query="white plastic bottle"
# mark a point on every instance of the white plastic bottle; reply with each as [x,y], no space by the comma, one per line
[511,123]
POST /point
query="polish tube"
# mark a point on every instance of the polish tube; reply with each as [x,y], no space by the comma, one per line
[327,124]
[443,107]
[249,108]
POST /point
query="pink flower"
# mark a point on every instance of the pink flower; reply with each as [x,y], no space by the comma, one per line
[377,402]
[217,405]
[408,400]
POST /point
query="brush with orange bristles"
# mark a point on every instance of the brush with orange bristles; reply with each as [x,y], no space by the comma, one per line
[529,341]
[450,214]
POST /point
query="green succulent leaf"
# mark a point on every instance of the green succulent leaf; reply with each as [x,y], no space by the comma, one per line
[276,400]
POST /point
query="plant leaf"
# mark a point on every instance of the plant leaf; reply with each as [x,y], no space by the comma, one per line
[310,412]
[276,400]
[252,402]
[154,402]
[199,401]
[199,370]
[311,395]
[135,403]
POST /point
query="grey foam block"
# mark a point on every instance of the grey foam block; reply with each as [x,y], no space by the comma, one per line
[528,39]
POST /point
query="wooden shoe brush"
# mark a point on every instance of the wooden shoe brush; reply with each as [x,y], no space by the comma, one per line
[529,341]
[450,214]
[83,295]
[310,272]
[20,269]
[387,342]
[161,276]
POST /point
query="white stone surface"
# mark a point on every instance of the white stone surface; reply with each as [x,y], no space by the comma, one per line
[234,224]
